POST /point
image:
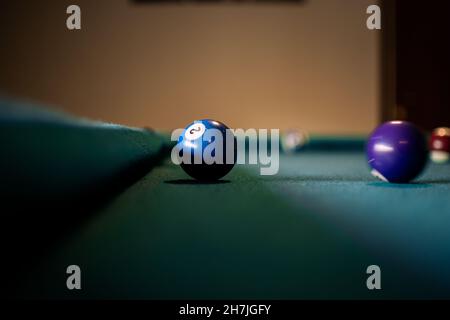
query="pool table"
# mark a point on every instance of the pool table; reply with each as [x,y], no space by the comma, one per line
[308,232]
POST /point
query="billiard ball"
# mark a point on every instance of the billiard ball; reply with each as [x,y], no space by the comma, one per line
[397,151]
[440,145]
[293,140]
[207,154]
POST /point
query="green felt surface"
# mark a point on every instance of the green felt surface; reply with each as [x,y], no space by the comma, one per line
[49,155]
[335,143]
[308,232]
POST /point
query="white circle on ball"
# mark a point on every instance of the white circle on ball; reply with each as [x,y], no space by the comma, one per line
[439,156]
[195,131]
[438,144]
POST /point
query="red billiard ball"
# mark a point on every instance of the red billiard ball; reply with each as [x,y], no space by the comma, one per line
[440,145]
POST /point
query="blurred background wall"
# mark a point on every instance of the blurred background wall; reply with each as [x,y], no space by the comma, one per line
[312,65]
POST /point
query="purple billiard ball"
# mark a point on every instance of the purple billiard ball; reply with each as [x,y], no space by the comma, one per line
[397,151]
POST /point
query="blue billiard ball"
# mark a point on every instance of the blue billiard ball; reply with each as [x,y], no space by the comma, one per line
[210,154]
[397,151]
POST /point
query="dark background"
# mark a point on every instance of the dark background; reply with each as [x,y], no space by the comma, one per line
[422,59]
